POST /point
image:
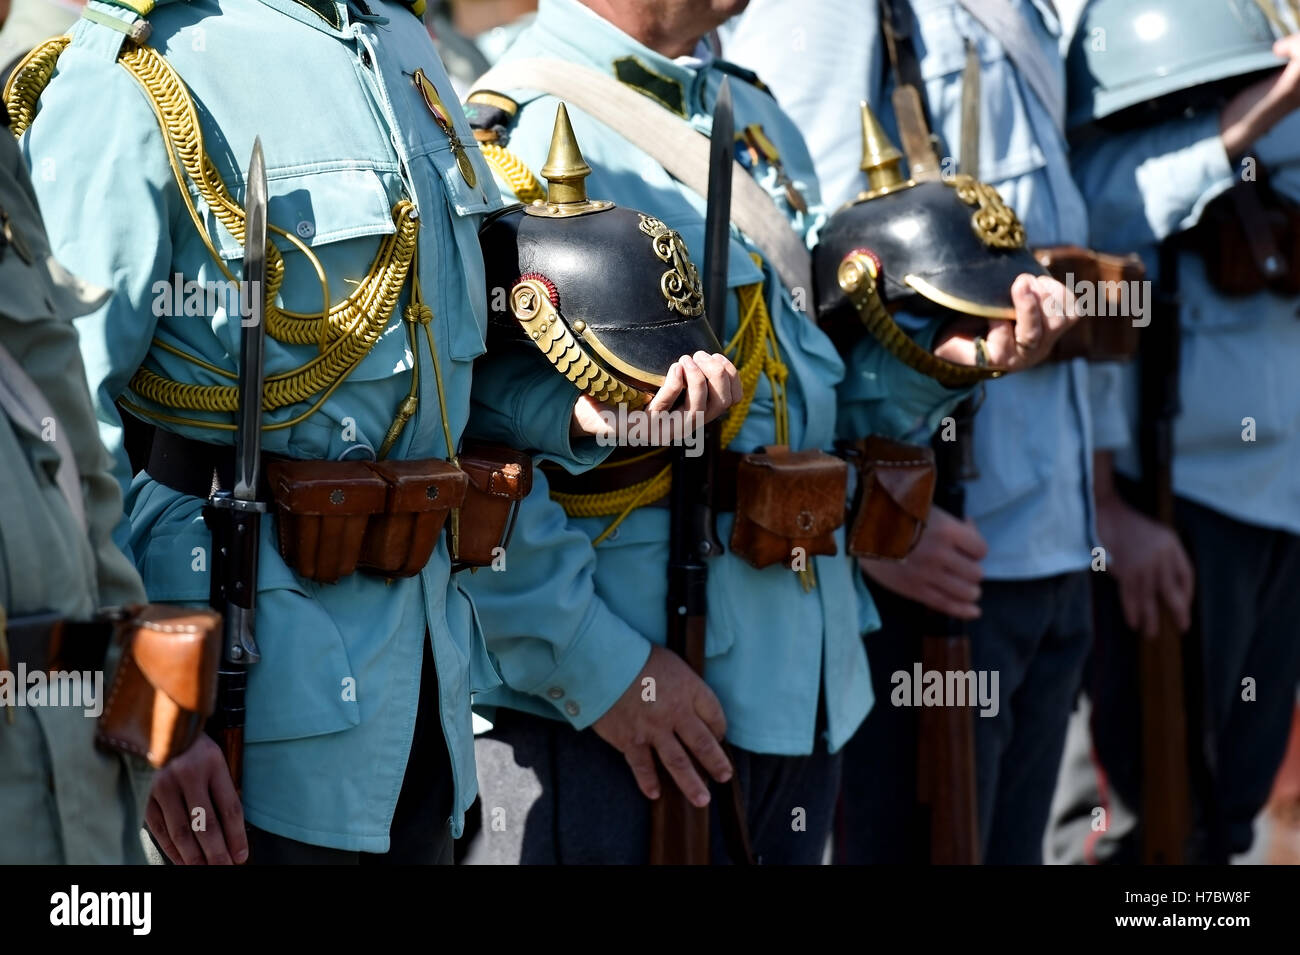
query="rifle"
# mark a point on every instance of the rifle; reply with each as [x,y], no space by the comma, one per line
[679,832]
[1166,811]
[235,516]
[945,766]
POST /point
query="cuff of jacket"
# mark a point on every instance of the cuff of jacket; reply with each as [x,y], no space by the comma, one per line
[1201,167]
[527,405]
[597,668]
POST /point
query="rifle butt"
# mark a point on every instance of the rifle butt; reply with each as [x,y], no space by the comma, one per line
[1166,810]
[679,831]
[946,763]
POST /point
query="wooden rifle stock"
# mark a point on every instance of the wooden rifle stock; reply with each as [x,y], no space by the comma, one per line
[679,831]
[1166,805]
[945,766]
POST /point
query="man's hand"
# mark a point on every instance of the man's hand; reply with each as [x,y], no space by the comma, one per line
[1044,312]
[1149,564]
[684,712]
[943,572]
[197,779]
[1258,108]
[711,383]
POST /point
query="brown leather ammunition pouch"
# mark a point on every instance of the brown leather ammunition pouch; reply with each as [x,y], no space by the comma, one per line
[322,509]
[895,488]
[785,500]
[166,682]
[1107,335]
[420,494]
[1249,240]
[499,478]
[335,517]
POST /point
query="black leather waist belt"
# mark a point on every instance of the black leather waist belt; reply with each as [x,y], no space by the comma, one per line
[47,641]
[197,468]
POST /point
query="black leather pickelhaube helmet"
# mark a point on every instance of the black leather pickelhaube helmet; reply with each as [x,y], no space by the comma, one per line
[933,246]
[608,294]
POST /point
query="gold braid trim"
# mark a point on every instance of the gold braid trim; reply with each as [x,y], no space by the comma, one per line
[755,351]
[343,333]
[29,79]
[381,289]
[526,187]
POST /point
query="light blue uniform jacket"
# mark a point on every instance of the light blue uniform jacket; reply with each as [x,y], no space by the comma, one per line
[1033,435]
[772,649]
[332,704]
[1239,355]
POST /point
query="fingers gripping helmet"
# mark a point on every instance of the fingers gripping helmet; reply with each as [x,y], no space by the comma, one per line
[607,294]
[1131,52]
[932,247]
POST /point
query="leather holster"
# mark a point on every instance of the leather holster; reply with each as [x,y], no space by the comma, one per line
[895,488]
[166,682]
[499,478]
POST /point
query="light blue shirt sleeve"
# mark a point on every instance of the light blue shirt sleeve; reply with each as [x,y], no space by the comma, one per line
[524,403]
[1148,184]
[554,639]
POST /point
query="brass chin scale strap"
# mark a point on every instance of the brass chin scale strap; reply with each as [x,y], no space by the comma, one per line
[755,351]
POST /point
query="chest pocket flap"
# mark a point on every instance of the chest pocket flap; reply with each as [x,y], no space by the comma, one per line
[318,208]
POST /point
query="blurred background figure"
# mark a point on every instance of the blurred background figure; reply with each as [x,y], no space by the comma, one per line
[472,34]
[1184,120]
[65,800]
[28,23]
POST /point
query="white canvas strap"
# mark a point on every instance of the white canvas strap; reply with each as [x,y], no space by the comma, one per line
[676,145]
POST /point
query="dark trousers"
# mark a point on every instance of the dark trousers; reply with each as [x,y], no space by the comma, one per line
[553,796]
[1241,665]
[1034,634]
[420,833]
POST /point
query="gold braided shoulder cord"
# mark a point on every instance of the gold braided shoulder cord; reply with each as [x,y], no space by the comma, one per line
[526,187]
[755,351]
[343,333]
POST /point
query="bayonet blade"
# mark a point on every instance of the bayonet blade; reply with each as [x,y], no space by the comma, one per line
[717,216]
[248,435]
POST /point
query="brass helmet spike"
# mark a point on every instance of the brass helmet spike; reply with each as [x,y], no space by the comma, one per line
[565,168]
[565,172]
[880,157]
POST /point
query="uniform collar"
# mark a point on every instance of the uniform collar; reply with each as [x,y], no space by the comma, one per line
[328,16]
[581,35]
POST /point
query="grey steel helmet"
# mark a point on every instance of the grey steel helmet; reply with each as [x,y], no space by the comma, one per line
[1128,52]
